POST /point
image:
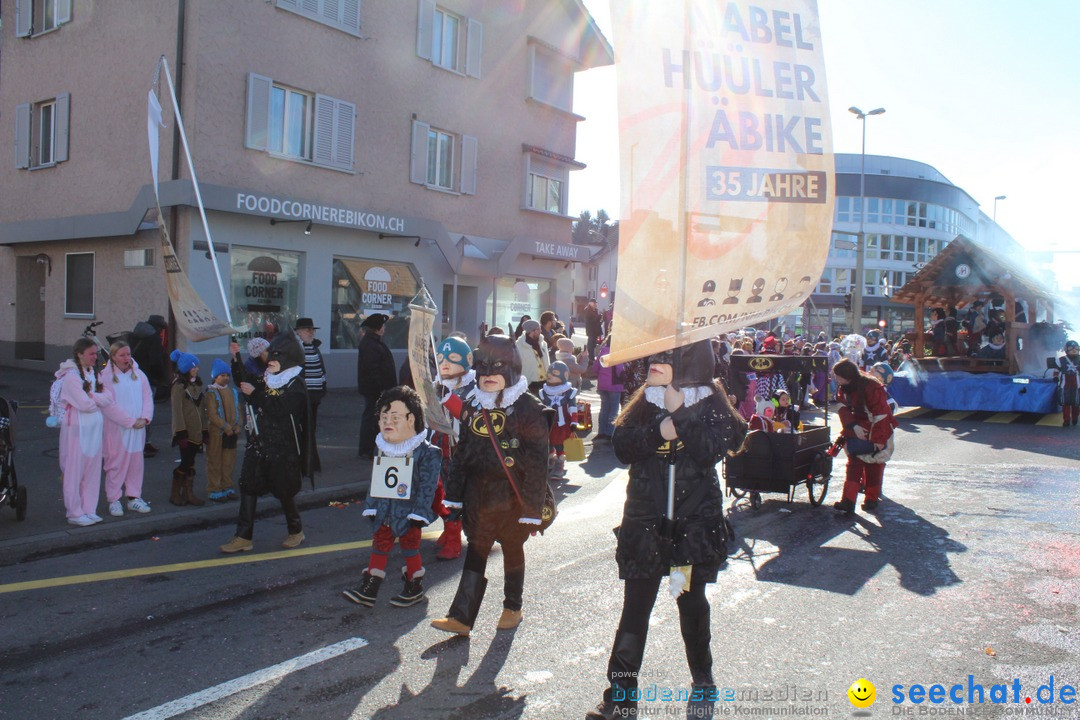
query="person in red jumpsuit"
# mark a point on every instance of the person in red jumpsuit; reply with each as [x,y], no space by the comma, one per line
[866,416]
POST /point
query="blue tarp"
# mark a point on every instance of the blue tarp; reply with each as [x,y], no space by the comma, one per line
[956,390]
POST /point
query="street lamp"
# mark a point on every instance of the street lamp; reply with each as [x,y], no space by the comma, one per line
[857,291]
[999,197]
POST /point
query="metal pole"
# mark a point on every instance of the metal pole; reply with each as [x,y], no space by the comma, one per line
[860,242]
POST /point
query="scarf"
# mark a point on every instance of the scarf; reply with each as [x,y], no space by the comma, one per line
[490,401]
[691,396]
[276,381]
[400,449]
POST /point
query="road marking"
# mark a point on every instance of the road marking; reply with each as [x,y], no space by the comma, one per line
[1051,419]
[955,415]
[912,412]
[246,682]
[239,559]
[1003,417]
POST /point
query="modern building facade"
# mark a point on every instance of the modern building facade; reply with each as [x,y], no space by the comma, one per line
[347,153]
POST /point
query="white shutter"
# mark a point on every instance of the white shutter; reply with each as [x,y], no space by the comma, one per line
[474,48]
[330,12]
[63,12]
[323,152]
[22,135]
[425,27]
[468,165]
[311,7]
[288,4]
[60,127]
[24,18]
[418,165]
[344,124]
[350,16]
[258,111]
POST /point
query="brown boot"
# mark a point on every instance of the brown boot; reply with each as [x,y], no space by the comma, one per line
[189,491]
[176,497]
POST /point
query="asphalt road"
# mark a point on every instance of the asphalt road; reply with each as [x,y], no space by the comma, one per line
[969,568]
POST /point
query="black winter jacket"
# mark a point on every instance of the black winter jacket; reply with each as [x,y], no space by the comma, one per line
[277,458]
[706,431]
[375,370]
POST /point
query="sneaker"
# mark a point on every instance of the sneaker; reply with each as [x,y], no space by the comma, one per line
[219,496]
[231,494]
[81,521]
[116,508]
[237,544]
[138,505]
[293,540]
[94,517]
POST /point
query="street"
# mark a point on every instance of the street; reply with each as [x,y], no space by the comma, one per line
[969,568]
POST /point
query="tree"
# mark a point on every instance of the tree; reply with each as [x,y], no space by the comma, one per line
[600,230]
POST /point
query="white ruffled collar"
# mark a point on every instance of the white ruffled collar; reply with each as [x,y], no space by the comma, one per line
[556,390]
[692,395]
[276,381]
[400,449]
[874,346]
[459,381]
[490,400]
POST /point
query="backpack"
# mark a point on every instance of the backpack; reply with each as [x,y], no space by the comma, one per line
[57,407]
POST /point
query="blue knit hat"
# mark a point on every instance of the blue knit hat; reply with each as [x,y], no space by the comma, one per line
[184,361]
[455,351]
[558,371]
[220,367]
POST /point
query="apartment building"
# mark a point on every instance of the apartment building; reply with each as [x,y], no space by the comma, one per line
[347,153]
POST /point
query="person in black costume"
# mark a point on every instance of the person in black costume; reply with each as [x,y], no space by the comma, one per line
[278,454]
[375,374]
[682,417]
[494,509]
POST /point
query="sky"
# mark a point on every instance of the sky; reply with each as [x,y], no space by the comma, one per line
[983,91]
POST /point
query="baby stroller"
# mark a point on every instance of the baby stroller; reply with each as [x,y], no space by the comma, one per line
[10,491]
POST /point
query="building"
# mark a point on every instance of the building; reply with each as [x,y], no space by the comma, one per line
[346,152]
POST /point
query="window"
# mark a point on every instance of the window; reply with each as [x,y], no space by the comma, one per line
[443,160]
[139,258]
[264,288]
[299,125]
[843,209]
[363,287]
[34,17]
[825,284]
[545,185]
[448,40]
[552,78]
[79,284]
[41,132]
[341,14]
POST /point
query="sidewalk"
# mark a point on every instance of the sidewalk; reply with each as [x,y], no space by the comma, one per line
[46,531]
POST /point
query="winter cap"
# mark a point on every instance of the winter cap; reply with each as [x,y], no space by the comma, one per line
[455,351]
[257,346]
[220,367]
[285,348]
[498,355]
[873,335]
[885,370]
[529,325]
[769,343]
[158,322]
[184,361]
[1071,345]
[565,345]
[558,371]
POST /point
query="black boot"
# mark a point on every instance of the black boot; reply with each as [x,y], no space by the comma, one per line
[369,589]
[621,697]
[697,638]
[466,604]
[292,515]
[413,591]
[245,521]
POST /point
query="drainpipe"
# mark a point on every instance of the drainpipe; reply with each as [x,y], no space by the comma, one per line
[178,66]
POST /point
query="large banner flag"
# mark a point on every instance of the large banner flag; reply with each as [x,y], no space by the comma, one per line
[194,318]
[421,359]
[727,167]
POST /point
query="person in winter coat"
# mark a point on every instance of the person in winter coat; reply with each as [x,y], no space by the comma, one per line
[535,359]
[874,352]
[314,378]
[83,395]
[188,426]
[225,421]
[375,374]
[609,385]
[594,327]
[498,479]
[865,414]
[126,418]
[559,394]
[457,380]
[578,364]
[1068,378]
[278,453]
[401,435]
[672,434]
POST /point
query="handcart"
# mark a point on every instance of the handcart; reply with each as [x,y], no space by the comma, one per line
[780,462]
[11,493]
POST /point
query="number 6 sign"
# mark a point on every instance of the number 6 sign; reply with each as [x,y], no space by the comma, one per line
[391,478]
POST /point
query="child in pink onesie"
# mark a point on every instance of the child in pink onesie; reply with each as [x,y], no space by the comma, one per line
[126,419]
[82,395]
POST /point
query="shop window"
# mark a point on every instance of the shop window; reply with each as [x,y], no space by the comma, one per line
[516,296]
[363,287]
[265,290]
[34,17]
[341,14]
[41,132]
[443,160]
[450,41]
[79,284]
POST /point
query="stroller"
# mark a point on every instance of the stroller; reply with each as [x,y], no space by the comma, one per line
[10,491]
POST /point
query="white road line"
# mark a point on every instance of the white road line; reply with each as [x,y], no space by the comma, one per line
[274,672]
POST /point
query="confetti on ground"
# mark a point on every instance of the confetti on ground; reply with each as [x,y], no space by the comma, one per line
[990,651]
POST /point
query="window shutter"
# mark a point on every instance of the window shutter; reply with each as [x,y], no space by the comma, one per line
[258,111]
[425,27]
[60,127]
[288,4]
[22,136]
[63,12]
[418,165]
[311,7]
[24,18]
[344,124]
[324,130]
[468,164]
[474,48]
[350,16]
[331,12]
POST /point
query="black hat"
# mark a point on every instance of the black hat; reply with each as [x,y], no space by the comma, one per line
[158,322]
[498,355]
[286,350]
[375,321]
[305,323]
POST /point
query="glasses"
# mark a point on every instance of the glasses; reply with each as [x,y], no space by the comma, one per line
[393,417]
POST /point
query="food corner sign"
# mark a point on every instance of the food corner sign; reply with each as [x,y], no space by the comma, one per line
[291,209]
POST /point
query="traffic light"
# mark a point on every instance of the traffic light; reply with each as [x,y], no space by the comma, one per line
[847,301]
[603,291]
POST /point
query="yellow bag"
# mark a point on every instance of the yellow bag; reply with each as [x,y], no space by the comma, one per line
[574,447]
